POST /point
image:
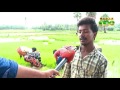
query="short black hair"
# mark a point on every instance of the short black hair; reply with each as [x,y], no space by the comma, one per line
[34,49]
[54,51]
[88,21]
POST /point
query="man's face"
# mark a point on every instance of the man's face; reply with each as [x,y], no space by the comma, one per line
[86,35]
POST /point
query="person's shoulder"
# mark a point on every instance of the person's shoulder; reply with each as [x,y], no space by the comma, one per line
[100,55]
[2,59]
[4,62]
[103,58]
[36,52]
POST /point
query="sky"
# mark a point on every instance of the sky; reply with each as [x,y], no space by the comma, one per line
[39,18]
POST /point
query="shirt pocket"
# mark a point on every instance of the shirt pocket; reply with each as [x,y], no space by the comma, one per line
[90,70]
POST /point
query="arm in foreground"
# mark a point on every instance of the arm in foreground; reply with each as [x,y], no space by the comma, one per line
[11,69]
[8,68]
[25,72]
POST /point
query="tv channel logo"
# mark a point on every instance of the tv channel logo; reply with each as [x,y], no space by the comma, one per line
[106,22]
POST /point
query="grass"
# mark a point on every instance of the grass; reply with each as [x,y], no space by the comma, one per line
[61,38]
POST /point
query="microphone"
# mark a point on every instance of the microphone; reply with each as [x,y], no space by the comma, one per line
[59,66]
[67,57]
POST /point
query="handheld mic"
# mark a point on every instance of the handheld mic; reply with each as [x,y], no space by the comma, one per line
[67,57]
[59,66]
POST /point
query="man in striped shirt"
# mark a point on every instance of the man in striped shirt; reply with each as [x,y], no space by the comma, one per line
[88,62]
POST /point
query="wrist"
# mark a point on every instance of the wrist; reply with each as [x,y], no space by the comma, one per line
[45,74]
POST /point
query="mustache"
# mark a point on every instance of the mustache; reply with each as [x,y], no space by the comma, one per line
[83,38]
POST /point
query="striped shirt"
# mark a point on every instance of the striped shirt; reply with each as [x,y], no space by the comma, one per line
[92,65]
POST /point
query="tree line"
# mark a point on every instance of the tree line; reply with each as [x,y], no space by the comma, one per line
[56,27]
[4,27]
[41,27]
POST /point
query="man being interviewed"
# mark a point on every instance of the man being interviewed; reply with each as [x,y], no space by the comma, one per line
[88,62]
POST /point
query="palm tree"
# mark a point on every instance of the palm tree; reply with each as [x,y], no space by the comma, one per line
[91,14]
[103,19]
[78,16]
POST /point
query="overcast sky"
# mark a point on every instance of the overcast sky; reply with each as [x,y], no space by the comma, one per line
[38,18]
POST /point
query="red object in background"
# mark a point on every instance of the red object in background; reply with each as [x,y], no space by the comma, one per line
[20,52]
[65,53]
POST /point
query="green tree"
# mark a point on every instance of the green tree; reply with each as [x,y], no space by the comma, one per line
[103,17]
[77,15]
[91,14]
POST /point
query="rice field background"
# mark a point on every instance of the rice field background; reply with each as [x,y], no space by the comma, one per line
[47,41]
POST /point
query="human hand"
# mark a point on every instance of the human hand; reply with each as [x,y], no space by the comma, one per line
[52,73]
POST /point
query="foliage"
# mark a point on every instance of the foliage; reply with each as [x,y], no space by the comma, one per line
[110,28]
[77,15]
[56,27]
[41,27]
[104,25]
[3,27]
[91,14]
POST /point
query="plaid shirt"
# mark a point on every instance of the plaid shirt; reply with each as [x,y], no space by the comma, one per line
[92,65]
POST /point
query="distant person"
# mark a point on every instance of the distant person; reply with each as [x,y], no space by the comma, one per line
[58,60]
[10,69]
[23,50]
[30,55]
[36,53]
